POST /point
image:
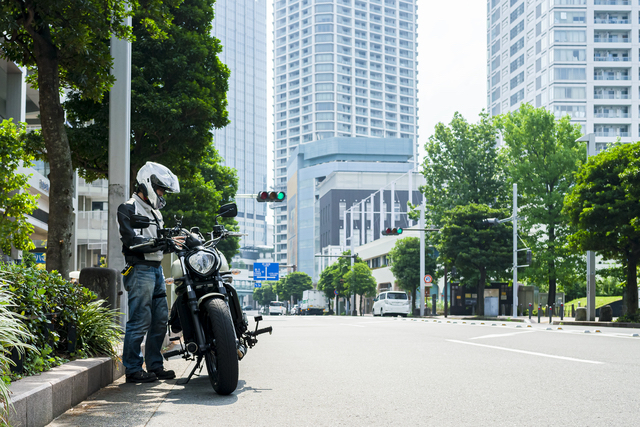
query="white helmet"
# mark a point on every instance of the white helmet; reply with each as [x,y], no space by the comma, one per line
[152,176]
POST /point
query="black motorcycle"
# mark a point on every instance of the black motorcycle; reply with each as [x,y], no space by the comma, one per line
[207,309]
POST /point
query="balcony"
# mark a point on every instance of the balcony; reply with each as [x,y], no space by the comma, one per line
[611,39]
[621,56]
[611,74]
[611,20]
[612,2]
[611,95]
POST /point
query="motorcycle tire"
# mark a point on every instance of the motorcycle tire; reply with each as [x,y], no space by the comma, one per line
[221,361]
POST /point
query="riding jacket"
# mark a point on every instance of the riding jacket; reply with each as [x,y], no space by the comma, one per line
[147,255]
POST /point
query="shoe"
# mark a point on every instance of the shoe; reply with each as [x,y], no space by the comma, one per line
[163,374]
[142,377]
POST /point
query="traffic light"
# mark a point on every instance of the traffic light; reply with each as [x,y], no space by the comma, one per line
[270,196]
[392,231]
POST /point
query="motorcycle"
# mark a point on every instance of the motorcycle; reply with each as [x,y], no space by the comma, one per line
[207,309]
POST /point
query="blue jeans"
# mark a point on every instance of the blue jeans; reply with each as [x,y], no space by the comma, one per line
[148,314]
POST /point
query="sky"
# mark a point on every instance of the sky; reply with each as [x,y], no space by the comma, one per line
[452,67]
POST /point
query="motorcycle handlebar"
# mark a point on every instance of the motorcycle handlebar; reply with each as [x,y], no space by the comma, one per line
[151,242]
[263,331]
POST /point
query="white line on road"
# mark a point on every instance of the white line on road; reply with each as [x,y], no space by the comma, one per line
[349,324]
[501,335]
[529,352]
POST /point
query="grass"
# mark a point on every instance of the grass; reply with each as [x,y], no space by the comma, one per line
[600,301]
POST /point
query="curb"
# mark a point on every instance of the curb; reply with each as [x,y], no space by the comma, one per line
[596,323]
[38,399]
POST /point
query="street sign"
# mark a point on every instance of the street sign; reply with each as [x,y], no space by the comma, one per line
[428,279]
[257,285]
[335,292]
[266,271]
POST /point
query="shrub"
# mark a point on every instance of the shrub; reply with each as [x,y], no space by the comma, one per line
[13,335]
[49,305]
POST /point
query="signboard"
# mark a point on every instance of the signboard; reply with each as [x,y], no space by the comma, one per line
[335,292]
[266,271]
[257,285]
[40,257]
[428,279]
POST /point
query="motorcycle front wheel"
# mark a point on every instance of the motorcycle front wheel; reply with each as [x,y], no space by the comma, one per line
[222,357]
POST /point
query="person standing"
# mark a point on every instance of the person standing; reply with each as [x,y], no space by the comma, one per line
[143,275]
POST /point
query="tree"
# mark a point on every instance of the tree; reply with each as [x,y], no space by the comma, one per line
[62,43]
[178,95]
[326,281]
[541,155]
[477,250]
[359,281]
[604,206]
[15,201]
[294,284]
[212,186]
[405,264]
[461,166]
[264,295]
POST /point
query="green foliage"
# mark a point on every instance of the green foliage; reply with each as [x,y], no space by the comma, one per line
[293,285]
[326,280]
[13,334]
[461,166]
[178,95]
[405,264]
[98,330]
[212,186]
[15,201]
[604,206]
[49,304]
[264,295]
[477,250]
[359,281]
[541,155]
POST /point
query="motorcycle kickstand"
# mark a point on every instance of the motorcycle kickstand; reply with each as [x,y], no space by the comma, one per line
[184,381]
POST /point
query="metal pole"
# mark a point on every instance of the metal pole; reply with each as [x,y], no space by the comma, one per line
[393,205]
[446,297]
[422,254]
[119,148]
[353,297]
[515,250]
[590,139]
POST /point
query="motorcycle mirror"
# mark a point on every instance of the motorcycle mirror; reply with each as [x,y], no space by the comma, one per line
[139,221]
[229,210]
[258,318]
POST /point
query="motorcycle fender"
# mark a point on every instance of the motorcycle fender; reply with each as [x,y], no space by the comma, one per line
[210,295]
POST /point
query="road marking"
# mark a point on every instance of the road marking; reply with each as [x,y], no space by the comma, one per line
[532,353]
[349,324]
[501,335]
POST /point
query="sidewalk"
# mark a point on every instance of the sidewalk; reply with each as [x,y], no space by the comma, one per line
[567,321]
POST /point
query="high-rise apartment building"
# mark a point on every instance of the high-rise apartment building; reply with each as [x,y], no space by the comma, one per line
[576,57]
[342,68]
[241,26]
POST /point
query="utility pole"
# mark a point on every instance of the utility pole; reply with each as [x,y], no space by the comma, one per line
[590,139]
[515,250]
[422,254]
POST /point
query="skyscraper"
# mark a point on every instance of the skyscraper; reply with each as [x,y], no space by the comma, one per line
[570,56]
[342,68]
[241,26]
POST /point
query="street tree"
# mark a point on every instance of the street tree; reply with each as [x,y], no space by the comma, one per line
[359,281]
[541,155]
[461,166]
[604,206]
[213,185]
[326,281]
[264,295]
[405,264]
[477,250]
[15,200]
[62,44]
[178,95]
[294,284]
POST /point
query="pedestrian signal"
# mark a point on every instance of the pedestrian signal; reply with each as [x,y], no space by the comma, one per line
[270,196]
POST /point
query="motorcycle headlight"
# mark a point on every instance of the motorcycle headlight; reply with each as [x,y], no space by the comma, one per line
[203,262]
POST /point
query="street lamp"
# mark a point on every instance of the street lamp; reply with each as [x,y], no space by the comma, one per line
[590,139]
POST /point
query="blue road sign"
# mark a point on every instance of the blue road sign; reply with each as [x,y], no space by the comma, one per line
[266,271]
[257,285]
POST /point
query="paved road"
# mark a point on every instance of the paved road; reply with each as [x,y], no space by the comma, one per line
[346,371]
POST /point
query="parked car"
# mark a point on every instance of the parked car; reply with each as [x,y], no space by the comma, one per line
[295,310]
[391,303]
[277,307]
[247,308]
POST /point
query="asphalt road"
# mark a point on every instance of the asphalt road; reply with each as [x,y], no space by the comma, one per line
[361,371]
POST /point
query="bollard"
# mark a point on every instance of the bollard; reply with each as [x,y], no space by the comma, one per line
[539,312]
[530,310]
[573,310]
[550,313]
[561,311]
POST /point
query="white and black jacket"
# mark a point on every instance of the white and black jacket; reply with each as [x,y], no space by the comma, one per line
[148,255]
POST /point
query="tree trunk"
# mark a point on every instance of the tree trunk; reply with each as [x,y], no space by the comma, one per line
[59,237]
[413,300]
[551,298]
[631,290]
[483,278]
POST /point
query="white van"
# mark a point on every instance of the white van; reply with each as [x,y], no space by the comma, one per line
[277,307]
[392,303]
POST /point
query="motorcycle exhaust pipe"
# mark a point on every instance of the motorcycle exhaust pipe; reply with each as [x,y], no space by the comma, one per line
[192,347]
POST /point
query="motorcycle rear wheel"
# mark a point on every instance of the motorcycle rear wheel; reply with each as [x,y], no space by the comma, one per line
[221,361]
